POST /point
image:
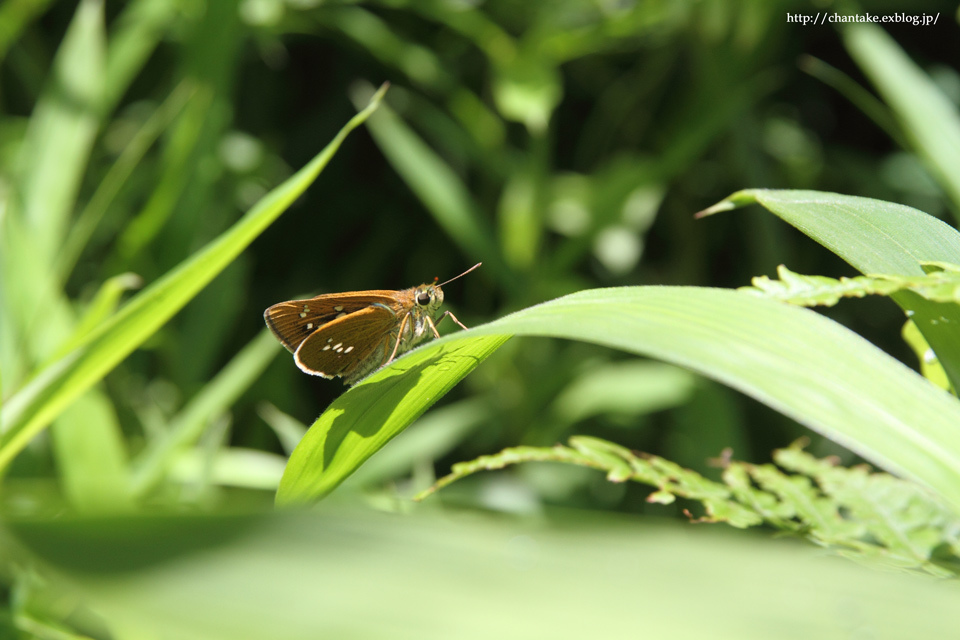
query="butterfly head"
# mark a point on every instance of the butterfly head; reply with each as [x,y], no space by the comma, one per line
[428,298]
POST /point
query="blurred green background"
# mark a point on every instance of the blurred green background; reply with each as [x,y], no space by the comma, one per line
[566,144]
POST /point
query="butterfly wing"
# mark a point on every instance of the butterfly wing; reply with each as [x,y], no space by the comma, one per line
[349,346]
[294,321]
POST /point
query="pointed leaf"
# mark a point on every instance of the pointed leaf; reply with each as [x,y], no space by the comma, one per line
[875,237]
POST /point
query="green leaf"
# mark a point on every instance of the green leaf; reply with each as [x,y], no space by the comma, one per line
[230,467]
[103,305]
[375,35]
[930,365]
[62,129]
[33,407]
[52,162]
[315,575]
[289,430]
[810,291]
[875,237]
[928,117]
[103,199]
[91,455]
[872,235]
[620,465]
[360,422]
[430,437]
[794,360]
[178,158]
[36,315]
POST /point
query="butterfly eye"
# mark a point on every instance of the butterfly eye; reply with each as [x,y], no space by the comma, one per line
[423,298]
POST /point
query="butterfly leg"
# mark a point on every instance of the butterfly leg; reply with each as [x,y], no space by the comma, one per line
[452,317]
[433,327]
[403,325]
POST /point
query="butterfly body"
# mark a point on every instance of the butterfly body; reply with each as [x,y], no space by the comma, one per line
[349,335]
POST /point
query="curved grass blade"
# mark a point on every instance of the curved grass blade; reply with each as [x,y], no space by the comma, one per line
[875,237]
[794,360]
[361,421]
[53,389]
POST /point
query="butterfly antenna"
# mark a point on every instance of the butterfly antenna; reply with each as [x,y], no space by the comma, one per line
[460,276]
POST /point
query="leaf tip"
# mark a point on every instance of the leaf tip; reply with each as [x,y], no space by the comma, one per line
[378,95]
[731,202]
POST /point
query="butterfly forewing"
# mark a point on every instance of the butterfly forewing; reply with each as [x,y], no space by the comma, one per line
[360,339]
[294,321]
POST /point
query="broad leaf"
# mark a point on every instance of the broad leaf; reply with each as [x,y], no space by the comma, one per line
[373,575]
[794,360]
[875,237]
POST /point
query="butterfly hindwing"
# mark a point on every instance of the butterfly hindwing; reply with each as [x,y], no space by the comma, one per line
[363,338]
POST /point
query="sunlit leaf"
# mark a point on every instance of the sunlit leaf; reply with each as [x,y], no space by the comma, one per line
[875,237]
[792,359]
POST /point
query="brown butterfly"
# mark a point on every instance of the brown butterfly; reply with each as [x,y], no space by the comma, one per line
[351,334]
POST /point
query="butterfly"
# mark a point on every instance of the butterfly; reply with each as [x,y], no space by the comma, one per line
[351,334]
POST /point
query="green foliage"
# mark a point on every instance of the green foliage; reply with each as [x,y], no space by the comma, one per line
[358,423]
[565,145]
[928,120]
[876,238]
[792,359]
[862,515]
[54,387]
[300,575]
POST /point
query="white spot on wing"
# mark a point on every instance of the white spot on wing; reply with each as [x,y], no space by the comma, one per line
[309,326]
[348,350]
[337,346]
